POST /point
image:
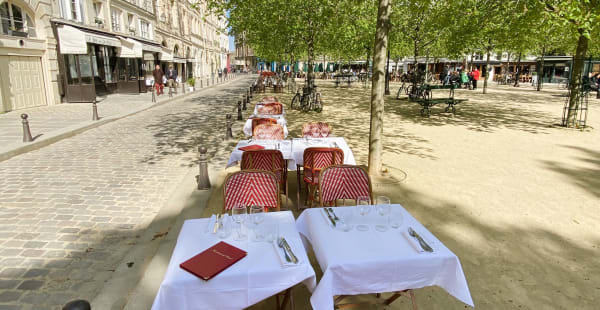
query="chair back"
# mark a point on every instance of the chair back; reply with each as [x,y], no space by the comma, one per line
[317,158]
[262,120]
[269,99]
[269,108]
[251,187]
[316,130]
[344,182]
[268,132]
[269,160]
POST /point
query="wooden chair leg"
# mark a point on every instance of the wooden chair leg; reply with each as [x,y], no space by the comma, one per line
[413,299]
[298,188]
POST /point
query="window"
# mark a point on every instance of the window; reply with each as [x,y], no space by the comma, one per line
[15,22]
[130,24]
[71,9]
[145,29]
[115,16]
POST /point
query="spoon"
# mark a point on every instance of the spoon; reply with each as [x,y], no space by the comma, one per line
[280,244]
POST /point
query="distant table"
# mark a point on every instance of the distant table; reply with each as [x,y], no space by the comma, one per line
[358,262]
[256,277]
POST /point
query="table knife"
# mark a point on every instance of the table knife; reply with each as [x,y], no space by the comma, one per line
[216,227]
[422,242]
[329,216]
[289,249]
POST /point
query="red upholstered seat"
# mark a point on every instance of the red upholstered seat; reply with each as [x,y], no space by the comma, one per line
[262,120]
[343,182]
[316,130]
[268,132]
[315,159]
[251,187]
[269,160]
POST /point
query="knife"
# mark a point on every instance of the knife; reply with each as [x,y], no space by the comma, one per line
[422,242]
[216,227]
[329,216]
[289,249]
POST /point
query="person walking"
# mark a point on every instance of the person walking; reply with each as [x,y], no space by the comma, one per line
[445,75]
[464,78]
[171,76]
[475,78]
[158,75]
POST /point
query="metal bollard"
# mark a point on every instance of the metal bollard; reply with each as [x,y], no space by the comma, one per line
[247,97]
[598,93]
[153,94]
[250,91]
[77,305]
[244,103]
[170,91]
[95,111]
[183,88]
[239,106]
[26,132]
[229,134]
[202,178]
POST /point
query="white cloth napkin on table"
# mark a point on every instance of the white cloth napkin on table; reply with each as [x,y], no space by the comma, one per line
[415,243]
[281,254]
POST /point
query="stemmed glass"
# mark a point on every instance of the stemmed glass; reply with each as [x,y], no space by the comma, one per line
[364,207]
[238,213]
[383,209]
[257,216]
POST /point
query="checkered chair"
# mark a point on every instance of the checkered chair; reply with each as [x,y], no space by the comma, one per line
[262,120]
[268,132]
[269,99]
[343,182]
[316,130]
[315,160]
[251,187]
[269,160]
[270,108]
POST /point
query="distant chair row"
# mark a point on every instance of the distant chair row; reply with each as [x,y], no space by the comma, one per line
[268,129]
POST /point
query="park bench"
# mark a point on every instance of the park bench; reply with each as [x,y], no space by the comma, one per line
[341,77]
[427,100]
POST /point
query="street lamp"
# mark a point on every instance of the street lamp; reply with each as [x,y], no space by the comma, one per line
[387,74]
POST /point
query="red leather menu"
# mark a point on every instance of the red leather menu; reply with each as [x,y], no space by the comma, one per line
[252,147]
[213,260]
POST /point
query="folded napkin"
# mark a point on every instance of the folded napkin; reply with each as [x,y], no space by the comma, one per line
[415,243]
[281,254]
[252,147]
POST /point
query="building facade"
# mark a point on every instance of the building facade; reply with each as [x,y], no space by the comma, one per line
[75,50]
[244,59]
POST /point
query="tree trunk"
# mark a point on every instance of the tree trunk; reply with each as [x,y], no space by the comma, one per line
[416,67]
[487,66]
[575,84]
[540,73]
[518,75]
[507,69]
[310,74]
[377,89]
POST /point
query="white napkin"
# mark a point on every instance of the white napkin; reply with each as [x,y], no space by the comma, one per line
[210,225]
[281,254]
[415,243]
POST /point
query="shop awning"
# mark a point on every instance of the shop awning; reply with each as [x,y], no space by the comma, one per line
[73,40]
[191,60]
[179,60]
[165,55]
[130,48]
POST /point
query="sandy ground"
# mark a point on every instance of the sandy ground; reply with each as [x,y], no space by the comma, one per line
[516,197]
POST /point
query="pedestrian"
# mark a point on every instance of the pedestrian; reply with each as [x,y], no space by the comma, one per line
[475,78]
[158,75]
[171,76]
[464,79]
[445,75]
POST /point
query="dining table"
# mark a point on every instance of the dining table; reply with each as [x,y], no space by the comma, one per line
[259,275]
[358,262]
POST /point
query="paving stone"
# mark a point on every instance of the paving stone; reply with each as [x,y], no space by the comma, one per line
[33,273]
[12,272]
[9,296]
[8,284]
[30,285]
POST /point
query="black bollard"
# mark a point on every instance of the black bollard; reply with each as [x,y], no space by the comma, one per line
[202,179]
[244,103]
[183,88]
[26,132]
[239,107]
[201,83]
[250,91]
[77,305]
[95,111]
[598,93]
[229,134]
[153,94]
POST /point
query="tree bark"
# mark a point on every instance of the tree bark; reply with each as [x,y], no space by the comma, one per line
[487,66]
[310,74]
[540,73]
[377,89]
[575,84]
[518,75]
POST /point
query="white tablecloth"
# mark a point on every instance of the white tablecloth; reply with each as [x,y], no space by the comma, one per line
[256,277]
[358,262]
[293,149]
[280,120]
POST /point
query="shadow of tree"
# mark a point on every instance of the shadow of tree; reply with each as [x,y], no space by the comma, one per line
[586,175]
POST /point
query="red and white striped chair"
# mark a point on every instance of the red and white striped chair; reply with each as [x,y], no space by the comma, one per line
[268,132]
[251,188]
[343,182]
[269,108]
[269,160]
[262,120]
[269,99]
[315,160]
[316,130]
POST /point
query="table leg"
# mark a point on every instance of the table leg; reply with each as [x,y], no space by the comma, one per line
[298,187]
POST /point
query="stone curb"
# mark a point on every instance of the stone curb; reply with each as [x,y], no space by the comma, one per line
[16,149]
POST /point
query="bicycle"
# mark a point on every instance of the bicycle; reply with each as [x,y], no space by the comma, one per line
[309,100]
[403,88]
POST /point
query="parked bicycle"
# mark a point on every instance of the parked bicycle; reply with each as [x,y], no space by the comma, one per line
[309,100]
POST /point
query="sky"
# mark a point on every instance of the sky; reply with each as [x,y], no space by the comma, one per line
[231,38]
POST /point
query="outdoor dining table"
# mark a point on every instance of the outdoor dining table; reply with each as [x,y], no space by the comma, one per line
[362,262]
[280,120]
[255,277]
[293,149]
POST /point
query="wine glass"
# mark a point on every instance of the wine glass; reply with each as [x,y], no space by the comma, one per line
[364,207]
[238,213]
[257,216]
[383,209]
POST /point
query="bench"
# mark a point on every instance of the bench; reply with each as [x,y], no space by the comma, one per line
[427,101]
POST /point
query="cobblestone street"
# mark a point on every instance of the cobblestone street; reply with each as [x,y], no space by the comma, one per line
[70,211]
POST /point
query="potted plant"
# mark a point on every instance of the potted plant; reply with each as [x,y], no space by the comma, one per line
[191,82]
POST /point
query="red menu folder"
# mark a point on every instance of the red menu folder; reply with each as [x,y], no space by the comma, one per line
[213,260]
[252,147]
